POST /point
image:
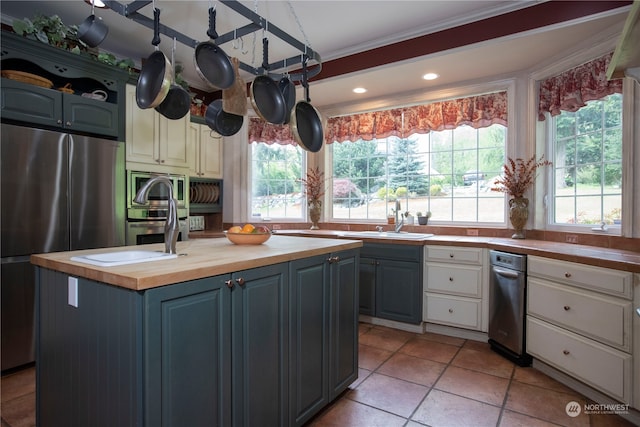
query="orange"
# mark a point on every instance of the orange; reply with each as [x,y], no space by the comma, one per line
[248,228]
[235,229]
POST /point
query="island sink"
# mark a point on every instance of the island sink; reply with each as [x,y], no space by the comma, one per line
[111,259]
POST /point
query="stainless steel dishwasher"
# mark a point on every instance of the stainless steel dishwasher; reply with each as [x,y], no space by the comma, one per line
[507,296]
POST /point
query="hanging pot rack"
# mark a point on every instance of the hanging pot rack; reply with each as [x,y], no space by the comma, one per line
[257,23]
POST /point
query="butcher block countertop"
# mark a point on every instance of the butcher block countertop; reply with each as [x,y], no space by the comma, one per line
[590,255]
[198,258]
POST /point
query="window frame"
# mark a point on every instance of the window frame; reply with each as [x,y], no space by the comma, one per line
[615,229]
[513,129]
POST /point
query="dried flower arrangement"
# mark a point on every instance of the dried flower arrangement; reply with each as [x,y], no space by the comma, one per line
[519,175]
[313,185]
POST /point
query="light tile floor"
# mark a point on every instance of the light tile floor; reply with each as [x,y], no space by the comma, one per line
[411,380]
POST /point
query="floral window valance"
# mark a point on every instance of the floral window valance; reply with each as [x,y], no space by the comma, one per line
[571,90]
[476,111]
[263,131]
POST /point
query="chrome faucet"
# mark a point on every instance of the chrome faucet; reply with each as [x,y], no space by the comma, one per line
[399,221]
[171,226]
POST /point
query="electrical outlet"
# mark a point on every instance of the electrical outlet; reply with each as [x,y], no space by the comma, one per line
[72,296]
[571,238]
[472,232]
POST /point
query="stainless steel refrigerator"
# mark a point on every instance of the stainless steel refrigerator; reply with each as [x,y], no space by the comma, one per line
[59,192]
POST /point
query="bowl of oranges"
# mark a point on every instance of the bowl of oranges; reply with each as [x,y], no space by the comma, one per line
[248,234]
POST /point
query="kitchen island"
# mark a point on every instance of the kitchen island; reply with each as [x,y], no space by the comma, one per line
[222,335]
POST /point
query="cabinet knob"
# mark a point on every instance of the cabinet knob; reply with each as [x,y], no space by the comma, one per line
[333,259]
[68,124]
[567,274]
[451,279]
[59,121]
[565,352]
[567,308]
[240,281]
[229,283]
[450,255]
[451,310]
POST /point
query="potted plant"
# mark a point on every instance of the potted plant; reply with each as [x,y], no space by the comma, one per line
[423,219]
[518,177]
[314,190]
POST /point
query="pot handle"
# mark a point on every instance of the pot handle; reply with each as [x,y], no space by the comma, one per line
[305,81]
[211,32]
[265,54]
[156,27]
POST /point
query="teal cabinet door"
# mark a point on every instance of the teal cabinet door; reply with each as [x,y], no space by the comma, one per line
[31,104]
[398,291]
[391,282]
[343,342]
[89,115]
[368,286]
[260,331]
[309,332]
[187,354]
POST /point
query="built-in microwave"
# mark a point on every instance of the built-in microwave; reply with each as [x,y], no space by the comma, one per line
[158,197]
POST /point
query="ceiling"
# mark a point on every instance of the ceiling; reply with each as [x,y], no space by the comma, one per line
[384,46]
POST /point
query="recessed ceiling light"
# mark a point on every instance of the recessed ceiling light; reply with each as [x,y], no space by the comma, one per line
[430,76]
[359,90]
[97,3]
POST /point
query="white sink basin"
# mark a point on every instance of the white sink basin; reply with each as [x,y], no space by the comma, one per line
[110,259]
[387,235]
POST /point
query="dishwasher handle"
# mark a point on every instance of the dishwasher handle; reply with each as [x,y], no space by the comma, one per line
[506,273]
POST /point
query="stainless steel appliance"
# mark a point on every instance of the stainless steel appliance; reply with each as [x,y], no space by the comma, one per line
[59,192]
[145,223]
[507,296]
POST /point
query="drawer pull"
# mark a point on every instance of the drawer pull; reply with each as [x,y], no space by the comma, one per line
[565,352]
[567,274]
[567,308]
[450,255]
[451,310]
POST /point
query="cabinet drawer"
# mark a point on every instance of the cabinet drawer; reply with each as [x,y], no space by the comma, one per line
[392,251]
[454,254]
[603,318]
[602,367]
[458,280]
[601,279]
[455,311]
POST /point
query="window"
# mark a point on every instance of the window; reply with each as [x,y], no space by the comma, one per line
[587,165]
[447,172]
[275,187]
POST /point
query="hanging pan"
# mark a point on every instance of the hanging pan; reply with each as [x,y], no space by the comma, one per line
[155,76]
[305,121]
[266,97]
[212,64]
[288,89]
[226,124]
[177,103]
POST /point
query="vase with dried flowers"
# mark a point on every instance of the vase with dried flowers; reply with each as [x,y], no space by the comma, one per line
[519,175]
[314,190]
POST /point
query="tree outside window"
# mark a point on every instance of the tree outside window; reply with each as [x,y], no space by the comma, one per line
[587,177]
[448,173]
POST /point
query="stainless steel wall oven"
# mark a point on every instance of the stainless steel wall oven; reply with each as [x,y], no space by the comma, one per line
[145,223]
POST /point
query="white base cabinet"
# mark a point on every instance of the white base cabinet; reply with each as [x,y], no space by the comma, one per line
[456,287]
[580,321]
